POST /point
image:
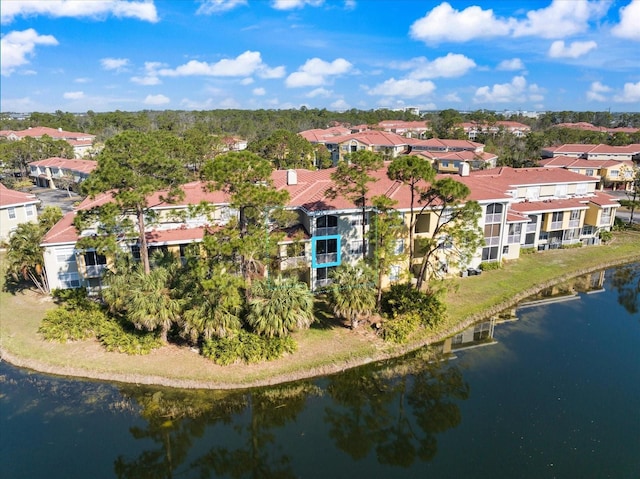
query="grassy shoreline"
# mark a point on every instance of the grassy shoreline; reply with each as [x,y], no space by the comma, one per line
[321,350]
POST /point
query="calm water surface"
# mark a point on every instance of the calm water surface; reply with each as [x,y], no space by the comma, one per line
[554,393]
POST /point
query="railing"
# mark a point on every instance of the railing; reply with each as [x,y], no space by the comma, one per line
[326,258]
[95,271]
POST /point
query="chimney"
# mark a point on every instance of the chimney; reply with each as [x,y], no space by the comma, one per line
[60,129]
[292,177]
[464,168]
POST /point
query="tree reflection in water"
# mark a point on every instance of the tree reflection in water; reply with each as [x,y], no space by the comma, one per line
[626,280]
[395,409]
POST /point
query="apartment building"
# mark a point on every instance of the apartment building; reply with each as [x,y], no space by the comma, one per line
[540,208]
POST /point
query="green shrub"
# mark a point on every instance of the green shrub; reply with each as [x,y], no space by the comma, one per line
[399,329]
[63,324]
[76,318]
[490,265]
[606,236]
[403,299]
[121,337]
[246,347]
[527,251]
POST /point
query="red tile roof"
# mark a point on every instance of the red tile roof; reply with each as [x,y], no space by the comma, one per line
[40,131]
[10,197]
[81,166]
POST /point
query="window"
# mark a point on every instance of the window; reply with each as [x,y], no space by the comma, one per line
[490,253]
[589,172]
[561,191]
[68,280]
[446,215]
[355,247]
[492,234]
[323,276]
[29,210]
[12,213]
[581,189]
[556,220]
[533,193]
[515,229]
[574,218]
[394,273]
[326,252]
[605,219]
[95,263]
[65,257]
[399,247]
[494,213]
[505,250]
[614,173]
[326,225]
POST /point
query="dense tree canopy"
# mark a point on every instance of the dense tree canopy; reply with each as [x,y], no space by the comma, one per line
[131,167]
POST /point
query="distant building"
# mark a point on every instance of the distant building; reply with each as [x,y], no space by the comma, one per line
[82,143]
[49,173]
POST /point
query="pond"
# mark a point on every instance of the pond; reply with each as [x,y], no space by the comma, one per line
[551,389]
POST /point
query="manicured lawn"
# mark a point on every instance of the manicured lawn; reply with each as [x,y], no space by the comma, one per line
[327,347]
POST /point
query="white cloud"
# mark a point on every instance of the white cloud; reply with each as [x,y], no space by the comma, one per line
[270,73]
[141,10]
[340,105]
[513,64]
[259,91]
[319,92]
[247,81]
[293,4]
[558,49]
[16,47]
[218,6]
[156,100]
[82,80]
[561,19]
[403,88]
[73,95]
[630,93]
[450,66]
[629,21]
[244,65]
[315,72]
[443,23]
[117,64]
[150,76]
[596,91]
[516,91]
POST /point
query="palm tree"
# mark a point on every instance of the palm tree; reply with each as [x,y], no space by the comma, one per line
[25,256]
[149,304]
[352,292]
[143,299]
[215,308]
[280,307]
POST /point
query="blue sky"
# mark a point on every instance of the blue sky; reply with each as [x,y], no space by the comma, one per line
[103,55]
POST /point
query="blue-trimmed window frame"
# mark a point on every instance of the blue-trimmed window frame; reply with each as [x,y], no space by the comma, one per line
[338,260]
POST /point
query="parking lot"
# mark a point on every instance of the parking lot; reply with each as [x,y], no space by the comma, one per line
[49,197]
